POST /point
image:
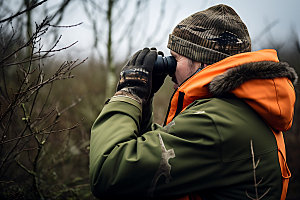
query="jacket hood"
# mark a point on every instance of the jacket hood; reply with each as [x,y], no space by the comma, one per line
[235,77]
[258,78]
[265,86]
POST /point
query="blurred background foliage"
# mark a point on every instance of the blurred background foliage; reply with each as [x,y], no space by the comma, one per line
[48,103]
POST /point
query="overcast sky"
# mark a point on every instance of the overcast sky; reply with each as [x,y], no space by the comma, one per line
[258,15]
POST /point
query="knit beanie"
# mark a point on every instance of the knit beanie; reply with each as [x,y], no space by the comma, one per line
[211,35]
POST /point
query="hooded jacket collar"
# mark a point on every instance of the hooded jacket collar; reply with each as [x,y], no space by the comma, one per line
[258,78]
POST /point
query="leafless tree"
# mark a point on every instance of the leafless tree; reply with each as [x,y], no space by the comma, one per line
[27,117]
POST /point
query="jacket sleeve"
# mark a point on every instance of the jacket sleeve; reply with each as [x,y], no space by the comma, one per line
[164,161]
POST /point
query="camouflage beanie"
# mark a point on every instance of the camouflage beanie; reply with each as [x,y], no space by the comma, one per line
[211,35]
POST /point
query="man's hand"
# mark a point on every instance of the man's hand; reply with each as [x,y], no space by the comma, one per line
[136,76]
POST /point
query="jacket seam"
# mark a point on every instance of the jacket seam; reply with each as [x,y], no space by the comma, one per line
[220,143]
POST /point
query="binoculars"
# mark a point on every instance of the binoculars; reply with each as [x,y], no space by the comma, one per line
[164,65]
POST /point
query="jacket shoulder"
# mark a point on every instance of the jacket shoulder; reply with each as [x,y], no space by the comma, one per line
[236,124]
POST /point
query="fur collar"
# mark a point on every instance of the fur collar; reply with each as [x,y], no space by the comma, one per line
[236,76]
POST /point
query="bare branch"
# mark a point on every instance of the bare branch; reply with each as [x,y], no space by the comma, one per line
[25,168]
[60,11]
[40,133]
[158,22]
[69,26]
[70,106]
[23,11]
[264,194]
[256,184]
[57,50]
[94,20]
[26,121]
[40,30]
[254,168]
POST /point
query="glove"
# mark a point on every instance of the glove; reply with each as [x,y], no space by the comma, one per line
[136,76]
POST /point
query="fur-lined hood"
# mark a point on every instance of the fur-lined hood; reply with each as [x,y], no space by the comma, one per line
[258,78]
[236,76]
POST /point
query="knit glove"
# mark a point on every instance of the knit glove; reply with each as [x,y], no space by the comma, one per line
[136,77]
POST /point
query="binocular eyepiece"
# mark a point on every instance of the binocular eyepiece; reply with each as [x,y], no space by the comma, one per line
[164,65]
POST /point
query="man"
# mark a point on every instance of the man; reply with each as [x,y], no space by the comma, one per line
[222,136]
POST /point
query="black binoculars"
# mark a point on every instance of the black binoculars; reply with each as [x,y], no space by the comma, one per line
[165,65]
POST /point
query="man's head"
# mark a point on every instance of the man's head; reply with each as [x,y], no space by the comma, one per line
[211,35]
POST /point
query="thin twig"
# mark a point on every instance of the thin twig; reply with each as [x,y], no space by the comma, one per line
[23,11]
[40,133]
[69,26]
[256,184]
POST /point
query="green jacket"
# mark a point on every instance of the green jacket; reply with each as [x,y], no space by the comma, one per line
[205,149]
